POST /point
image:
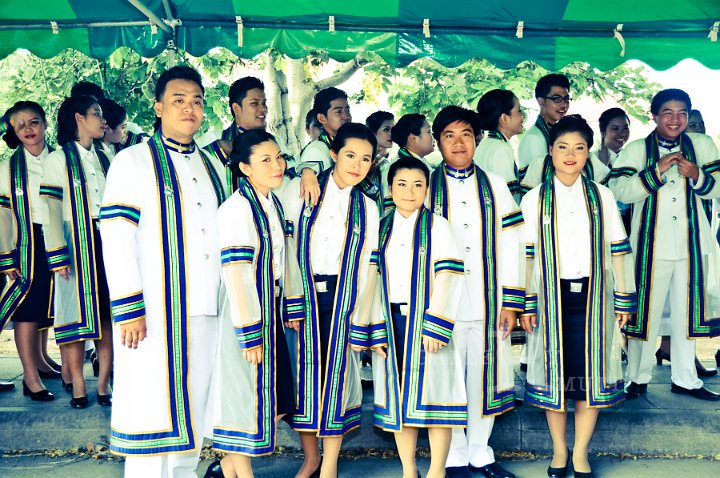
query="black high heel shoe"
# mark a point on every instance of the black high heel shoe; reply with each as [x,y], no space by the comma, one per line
[50,374]
[559,472]
[42,396]
[661,355]
[214,470]
[67,386]
[79,402]
[105,400]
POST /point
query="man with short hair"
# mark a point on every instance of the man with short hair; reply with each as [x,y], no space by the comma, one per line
[162,260]
[552,93]
[665,177]
[484,219]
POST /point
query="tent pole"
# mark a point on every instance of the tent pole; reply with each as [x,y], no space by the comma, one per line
[168,11]
[151,16]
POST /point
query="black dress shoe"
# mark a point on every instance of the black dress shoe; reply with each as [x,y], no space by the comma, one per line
[584,474]
[214,470]
[493,470]
[56,366]
[704,372]
[52,373]
[634,390]
[6,386]
[457,472]
[42,396]
[661,355]
[105,400]
[80,402]
[559,472]
[523,367]
[701,393]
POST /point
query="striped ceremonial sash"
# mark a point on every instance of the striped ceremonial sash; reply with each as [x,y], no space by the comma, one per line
[262,441]
[83,245]
[321,409]
[24,258]
[698,324]
[180,436]
[495,401]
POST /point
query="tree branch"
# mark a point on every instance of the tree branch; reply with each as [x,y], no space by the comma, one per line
[347,70]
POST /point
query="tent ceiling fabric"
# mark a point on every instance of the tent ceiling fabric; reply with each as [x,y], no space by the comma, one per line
[554,32]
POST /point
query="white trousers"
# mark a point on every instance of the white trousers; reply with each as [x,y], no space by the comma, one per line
[202,348]
[470,446]
[670,281]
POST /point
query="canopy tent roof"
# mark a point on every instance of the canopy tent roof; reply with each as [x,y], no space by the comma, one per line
[552,33]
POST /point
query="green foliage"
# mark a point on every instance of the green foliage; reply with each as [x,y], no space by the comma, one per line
[425,86]
[125,76]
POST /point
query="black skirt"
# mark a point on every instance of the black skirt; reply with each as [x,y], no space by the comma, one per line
[399,325]
[325,306]
[35,307]
[574,312]
[284,380]
[103,292]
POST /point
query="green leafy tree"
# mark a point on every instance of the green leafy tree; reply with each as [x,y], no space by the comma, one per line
[426,86]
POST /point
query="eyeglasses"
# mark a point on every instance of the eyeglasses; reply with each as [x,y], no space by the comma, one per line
[558,99]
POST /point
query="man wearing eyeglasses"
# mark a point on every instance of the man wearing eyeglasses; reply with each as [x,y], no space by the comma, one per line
[552,93]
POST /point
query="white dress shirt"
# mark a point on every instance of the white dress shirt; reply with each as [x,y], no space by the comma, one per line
[329,231]
[35,165]
[277,235]
[399,257]
[573,230]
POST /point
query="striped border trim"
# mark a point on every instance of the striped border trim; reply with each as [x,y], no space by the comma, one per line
[650,179]
[708,184]
[289,228]
[388,203]
[120,211]
[359,335]
[294,308]
[531,304]
[512,219]
[437,327]
[619,248]
[51,192]
[625,302]
[374,257]
[513,298]
[58,258]
[712,167]
[455,266]
[5,201]
[7,261]
[128,309]
[619,173]
[514,187]
[529,250]
[378,334]
[237,255]
[249,336]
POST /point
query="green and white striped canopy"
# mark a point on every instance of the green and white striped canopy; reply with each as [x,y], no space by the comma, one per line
[550,32]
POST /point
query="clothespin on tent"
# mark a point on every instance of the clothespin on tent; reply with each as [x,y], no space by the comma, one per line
[239,22]
[618,36]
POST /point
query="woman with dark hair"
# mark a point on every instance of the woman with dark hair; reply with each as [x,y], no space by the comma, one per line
[417,373]
[72,186]
[580,292]
[260,290]
[337,251]
[502,118]
[116,120]
[25,299]
[381,123]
